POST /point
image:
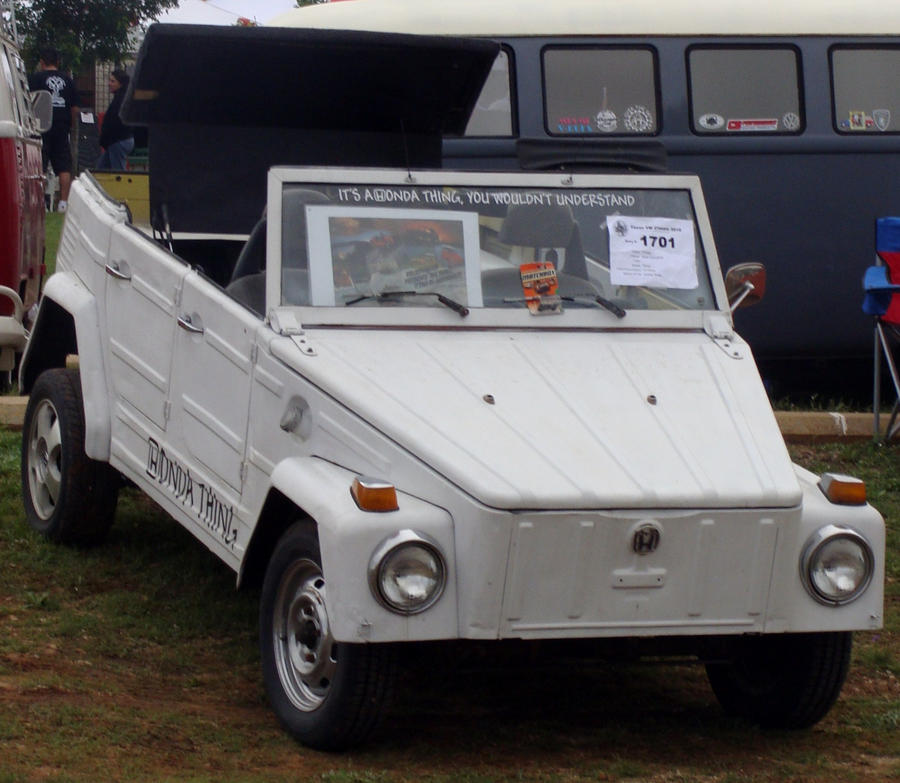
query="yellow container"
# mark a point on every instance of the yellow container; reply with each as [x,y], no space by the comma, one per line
[131,187]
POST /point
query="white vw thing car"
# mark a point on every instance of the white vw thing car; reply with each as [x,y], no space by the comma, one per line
[439,405]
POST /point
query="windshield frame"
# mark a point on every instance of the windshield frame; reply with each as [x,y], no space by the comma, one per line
[431,315]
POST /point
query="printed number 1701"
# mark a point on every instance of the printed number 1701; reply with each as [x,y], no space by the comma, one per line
[652,240]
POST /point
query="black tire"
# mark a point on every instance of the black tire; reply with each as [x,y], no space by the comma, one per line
[328,695]
[68,497]
[788,681]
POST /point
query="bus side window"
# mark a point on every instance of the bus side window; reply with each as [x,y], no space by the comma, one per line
[866,89]
[740,90]
[594,91]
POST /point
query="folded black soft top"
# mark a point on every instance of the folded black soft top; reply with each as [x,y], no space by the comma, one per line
[225,104]
[311,79]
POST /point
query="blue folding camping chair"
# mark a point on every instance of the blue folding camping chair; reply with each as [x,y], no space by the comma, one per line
[882,302]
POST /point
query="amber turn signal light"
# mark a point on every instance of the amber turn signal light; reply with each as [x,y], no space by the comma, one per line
[373,494]
[844,490]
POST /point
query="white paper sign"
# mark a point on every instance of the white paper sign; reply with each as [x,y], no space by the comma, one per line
[653,252]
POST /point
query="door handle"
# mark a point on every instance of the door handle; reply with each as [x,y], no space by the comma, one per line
[114,269]
[185,322]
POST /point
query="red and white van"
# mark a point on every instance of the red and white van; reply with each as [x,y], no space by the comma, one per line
[23,116]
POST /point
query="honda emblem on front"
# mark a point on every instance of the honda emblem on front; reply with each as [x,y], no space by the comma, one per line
[645,539]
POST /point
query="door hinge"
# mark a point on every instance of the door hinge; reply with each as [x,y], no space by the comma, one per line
[722,334]
[254,353]
[285,323]
[167,410]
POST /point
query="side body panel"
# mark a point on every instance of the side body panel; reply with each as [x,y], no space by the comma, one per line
[73,298]
[10,219]
[213,350]
[21,184]
[143,286]
[306,446]
[32,262]
[78,288]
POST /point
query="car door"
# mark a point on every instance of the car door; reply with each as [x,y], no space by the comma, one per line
[210,400]
[143,286]
[211,376]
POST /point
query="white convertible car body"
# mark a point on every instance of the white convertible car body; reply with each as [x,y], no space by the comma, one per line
[498,405]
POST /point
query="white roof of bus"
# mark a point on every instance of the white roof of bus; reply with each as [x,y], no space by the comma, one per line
[603,17]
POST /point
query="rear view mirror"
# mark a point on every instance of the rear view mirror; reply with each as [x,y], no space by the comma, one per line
[745,284]
[42,105]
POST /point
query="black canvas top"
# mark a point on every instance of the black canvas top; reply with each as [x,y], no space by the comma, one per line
[311,79]
[225,104]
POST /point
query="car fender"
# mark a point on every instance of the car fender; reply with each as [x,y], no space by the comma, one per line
[348,537]
[791,607]
[65,295]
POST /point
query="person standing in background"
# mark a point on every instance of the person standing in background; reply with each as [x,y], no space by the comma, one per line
[56,145]
[116,138]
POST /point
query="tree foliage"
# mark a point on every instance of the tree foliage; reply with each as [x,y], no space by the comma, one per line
[85,30]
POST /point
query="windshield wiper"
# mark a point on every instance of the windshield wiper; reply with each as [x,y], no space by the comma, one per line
[592,298]
[387,295]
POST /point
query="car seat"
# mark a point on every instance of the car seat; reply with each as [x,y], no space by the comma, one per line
[546,227]
[247,283]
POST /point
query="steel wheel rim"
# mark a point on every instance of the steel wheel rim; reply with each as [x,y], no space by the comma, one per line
[305,652]
[44,459]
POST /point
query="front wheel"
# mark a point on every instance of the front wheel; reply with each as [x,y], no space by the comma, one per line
[328,695]
[786,681]
[68,497]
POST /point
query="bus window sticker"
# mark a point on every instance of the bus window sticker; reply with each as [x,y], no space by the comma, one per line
[859,120]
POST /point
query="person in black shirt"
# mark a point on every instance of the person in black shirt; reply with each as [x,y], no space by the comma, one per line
[116,138]
[56,146]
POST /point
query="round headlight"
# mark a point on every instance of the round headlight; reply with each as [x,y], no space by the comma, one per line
[407,573]
[837,565]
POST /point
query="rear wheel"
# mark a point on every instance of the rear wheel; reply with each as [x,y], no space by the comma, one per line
[68,497]
[329,695]
[788,681]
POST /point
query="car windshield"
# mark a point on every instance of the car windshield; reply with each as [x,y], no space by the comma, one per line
[547,249]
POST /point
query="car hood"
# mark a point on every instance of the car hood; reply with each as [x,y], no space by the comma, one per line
[541,420]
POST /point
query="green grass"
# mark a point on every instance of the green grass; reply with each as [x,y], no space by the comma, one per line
[137,661]
[52,229]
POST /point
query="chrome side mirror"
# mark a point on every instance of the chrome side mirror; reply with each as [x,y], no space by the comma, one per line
[745,284]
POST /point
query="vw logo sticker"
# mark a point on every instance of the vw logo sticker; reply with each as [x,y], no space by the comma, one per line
[711,122]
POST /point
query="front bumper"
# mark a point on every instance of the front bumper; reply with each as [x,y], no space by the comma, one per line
[599,574]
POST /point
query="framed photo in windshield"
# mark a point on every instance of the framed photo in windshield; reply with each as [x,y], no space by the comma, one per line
[375,251]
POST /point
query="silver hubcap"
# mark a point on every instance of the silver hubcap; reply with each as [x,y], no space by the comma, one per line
[44,459]
[305,652]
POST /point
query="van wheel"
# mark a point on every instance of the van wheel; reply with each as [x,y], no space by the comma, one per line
[68,497]
[788,681]
[328,695]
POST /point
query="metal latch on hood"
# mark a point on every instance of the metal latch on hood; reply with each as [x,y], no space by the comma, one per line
[720,330]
